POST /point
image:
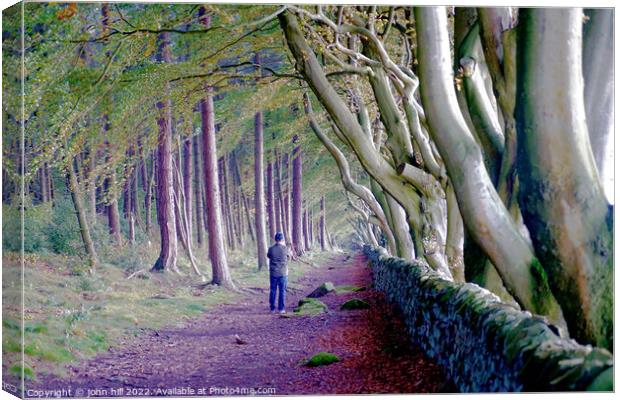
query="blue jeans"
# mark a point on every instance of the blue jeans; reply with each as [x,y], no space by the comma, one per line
[277,283]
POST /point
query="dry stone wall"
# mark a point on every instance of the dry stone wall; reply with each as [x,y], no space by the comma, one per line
[485,345]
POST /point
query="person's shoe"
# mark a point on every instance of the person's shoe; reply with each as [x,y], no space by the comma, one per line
[282,311]
[272,311]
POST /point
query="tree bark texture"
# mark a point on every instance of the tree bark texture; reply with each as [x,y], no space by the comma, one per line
[259,192]
[483,212]
[560,193]
[217,250]
[298,238]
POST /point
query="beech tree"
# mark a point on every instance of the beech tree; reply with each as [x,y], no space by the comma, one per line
[447,146]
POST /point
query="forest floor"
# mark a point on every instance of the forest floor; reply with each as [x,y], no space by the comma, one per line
[204,357]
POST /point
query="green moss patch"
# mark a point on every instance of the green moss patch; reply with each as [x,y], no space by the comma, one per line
[355,304]
[348,289]
[321,358]
[309,306]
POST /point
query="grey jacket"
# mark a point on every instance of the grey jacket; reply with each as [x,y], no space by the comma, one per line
[277,255]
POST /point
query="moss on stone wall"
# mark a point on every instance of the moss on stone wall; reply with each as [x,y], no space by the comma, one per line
[484,344]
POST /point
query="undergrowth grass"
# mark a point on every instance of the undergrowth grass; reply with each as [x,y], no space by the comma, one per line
[72,313]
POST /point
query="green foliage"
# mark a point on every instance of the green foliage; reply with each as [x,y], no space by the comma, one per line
[320,359]
[37,222]
[63,230]
[16,369]
[46,228]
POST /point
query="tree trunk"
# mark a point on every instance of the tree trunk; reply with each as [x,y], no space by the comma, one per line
[561,196]
[198,190]
[114,223]
[182,217]
[306,229]
[270,202]
[135,204]
[148,198]
[298,239]
[226,205]
[598,74]
[349,184]
[187,184]
[247,216]
[164,191]
[217,251]
[80,213]
[259,192]
[454,237]
[42,185]
[130,215]
[311,225]
[483,211]
[401,229]
[322,235]
[92,186]
[286,198]
[277,195]
[355,136]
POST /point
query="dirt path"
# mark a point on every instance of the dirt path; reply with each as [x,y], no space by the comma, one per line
[203,358]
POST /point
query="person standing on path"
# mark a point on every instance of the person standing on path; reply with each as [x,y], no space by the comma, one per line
[278,273]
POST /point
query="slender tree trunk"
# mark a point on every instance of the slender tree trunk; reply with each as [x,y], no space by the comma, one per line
[182,217]
[164,192]
[197,190]
[237,214]
[92,186]
[217,250]
[135,204]
[322,235]
[259,192]
[50,182]
[187,184]
[298,239]
[286,199]
[239,218]
[247,217]
[130,215]
[277,196]
[223,179]
[42,185]
[114,224]
[311,225]
[560,193]
[270,202]
[148,198]
[306,229]
[143,173]
[80,213]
